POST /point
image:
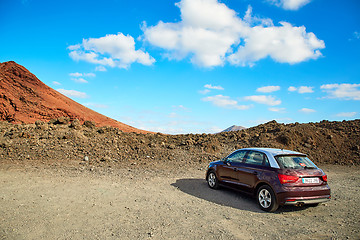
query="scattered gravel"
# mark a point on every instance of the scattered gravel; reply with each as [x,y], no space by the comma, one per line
[64,202]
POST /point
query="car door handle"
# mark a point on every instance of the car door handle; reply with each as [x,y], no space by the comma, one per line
[255,173]
[235,169]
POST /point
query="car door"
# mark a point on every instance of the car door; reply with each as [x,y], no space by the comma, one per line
[228,171]
[255,163]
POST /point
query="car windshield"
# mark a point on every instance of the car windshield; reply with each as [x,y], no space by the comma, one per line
[295,162]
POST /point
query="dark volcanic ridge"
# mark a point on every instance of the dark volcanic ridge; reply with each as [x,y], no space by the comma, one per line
[59,141]
[25,99]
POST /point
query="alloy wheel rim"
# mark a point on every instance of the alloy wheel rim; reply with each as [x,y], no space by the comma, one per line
[265,198]
[211,179]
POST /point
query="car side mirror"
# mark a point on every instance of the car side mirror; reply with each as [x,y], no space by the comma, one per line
[226,161]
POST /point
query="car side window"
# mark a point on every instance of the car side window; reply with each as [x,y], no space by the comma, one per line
[257,158]
[236,156]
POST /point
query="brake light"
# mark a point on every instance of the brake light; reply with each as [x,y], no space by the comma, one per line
[287,178]
[324,178]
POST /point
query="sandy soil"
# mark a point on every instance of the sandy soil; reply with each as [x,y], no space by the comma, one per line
[67,203]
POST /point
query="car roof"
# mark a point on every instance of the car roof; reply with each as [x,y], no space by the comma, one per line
[275,151]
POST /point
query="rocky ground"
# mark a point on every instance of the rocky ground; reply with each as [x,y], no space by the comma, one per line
[67,180]
[65,202]
[60,141]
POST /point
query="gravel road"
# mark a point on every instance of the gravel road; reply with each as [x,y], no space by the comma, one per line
[38,202]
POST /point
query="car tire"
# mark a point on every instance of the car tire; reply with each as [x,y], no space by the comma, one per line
[266,199]
[212,180]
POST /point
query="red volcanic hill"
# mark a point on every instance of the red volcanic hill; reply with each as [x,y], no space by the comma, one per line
[25,99]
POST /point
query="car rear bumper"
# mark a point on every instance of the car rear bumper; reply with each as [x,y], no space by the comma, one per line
[303,195]
[292,201]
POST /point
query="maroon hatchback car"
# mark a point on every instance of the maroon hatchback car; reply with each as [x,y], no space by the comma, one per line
[275,177]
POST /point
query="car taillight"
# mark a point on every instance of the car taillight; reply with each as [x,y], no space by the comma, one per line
[287,178]
[324,178]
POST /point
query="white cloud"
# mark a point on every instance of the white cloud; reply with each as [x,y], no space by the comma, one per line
[307,110]
[170,123]
[181,107]
[213,129]
[89,75]
[78,77]
[279,110]
[268,89]
[344,91]
[289,4]
[166,130]
[305,89]
[284,44]
[263,99]
[91,57]
[113,50]
[210,33]
[72,93]
[356,35]
[225,102]
[205,91]
[76,74]
[96,105]
[56,83]
[100,69]
[79,80]
[301,90]
[74,47]
[209,86]
[254,20]
[173,115]
[292,89]
[346,114]
[207,31]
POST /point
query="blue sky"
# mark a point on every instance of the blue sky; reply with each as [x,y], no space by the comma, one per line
[193,66]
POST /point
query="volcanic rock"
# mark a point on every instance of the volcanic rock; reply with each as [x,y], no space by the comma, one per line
[25,99]
[109,146]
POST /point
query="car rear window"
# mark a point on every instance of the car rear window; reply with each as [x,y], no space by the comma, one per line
[295,162]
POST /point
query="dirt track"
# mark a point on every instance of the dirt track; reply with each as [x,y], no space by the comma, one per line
[66,203]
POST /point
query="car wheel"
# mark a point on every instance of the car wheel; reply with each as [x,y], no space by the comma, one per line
[266,199]
[212,180]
